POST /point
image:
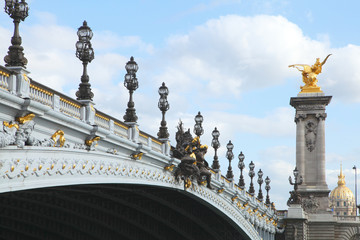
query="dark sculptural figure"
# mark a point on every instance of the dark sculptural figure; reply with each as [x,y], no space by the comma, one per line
[295,197]
[193,164]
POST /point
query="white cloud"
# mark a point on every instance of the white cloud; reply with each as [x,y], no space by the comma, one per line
[234,54]
[241,52]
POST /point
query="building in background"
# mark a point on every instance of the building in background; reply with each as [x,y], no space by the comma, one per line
[342,198]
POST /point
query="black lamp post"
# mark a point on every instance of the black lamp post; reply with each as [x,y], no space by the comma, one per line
[229,156]
[251,175]
[295,197]
[355,188]
[260,182]
[17,11]
[85,53]
[215,144]
[297,179]
[131,83]
[241,166]
[163,106]
[198,130]
[267,188]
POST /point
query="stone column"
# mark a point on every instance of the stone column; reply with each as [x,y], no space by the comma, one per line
[300,143]
[310,149]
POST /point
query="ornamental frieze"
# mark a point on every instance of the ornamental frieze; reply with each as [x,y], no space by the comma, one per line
[307,107]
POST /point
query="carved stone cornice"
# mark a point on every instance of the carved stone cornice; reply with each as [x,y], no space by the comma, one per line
[310,103]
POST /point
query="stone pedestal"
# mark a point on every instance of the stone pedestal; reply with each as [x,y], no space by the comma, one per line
[296,223]
[87,111]
[19,84]
[310,149]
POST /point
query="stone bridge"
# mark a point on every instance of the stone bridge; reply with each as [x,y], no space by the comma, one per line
[70,171]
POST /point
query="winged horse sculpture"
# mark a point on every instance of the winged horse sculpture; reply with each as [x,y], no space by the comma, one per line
[309,74]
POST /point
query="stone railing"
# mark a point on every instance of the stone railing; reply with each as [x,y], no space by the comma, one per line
[69,107]
[73,108]
[4,78]
[41,95]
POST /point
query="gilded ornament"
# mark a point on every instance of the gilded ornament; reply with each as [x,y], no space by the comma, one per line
[90,142]
[6,124]
[220,190]
[137,155]
[61,134]
[26,118]
[309,75]
[12,168]
[169,167]
[187,183]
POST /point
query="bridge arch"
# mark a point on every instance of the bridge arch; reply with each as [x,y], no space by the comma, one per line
[112,211]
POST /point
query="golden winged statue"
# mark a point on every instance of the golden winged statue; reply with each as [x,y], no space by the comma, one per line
[309,75]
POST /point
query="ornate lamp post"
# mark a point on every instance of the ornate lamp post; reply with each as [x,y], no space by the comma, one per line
[17,11]
[354,167]
[131,83]
[251,175]
[198,130]
[85,53]
[295,197]
[241,166]
[163,106]
[215,144]
[229,156]
[260,182]
[267,188]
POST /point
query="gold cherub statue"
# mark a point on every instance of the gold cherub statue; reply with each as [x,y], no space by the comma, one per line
[309,74]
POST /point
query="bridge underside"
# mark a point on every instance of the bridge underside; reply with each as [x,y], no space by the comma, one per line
[111,211]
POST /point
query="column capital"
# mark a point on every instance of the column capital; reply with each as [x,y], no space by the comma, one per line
[321,116]
[300,117]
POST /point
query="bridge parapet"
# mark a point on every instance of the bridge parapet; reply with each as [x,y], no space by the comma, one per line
[4,78]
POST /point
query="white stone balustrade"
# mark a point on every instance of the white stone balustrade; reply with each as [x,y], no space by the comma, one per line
[4,80]
[41,95]
[70,108]
[102,121]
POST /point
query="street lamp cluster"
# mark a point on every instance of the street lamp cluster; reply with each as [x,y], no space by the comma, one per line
[230,175]
[85,53]
[198,129]
[215,144]
[163,106]
[18,10]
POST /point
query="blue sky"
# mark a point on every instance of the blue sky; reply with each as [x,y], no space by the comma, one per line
[225,58]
